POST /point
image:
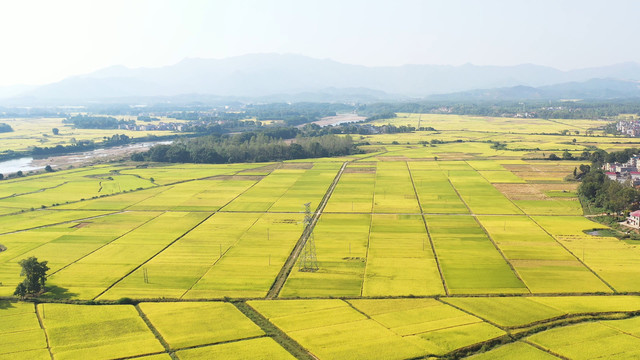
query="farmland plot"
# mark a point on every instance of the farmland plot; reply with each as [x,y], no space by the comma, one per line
[341,244]
[91,275]
[393,189]
[550,207]
[604,339]
[435,192]
[62,244]
[115,202]
[199,195]
[614,260]
[331,329]
[543,264]
[171,174]
[480,195]
[399,258]
[507,311]
[22,337]
[308,188]
[97,332]
[256,349]
[439,327]
[267,191]
[516,350]
[34,219]
[66,186]
[389,329]
[470,262]
[176,269]
[354,192]
[591,304]
[249,267]
[369,255]
[198,323]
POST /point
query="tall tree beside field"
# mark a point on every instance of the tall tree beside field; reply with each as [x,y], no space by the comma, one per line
[35,273]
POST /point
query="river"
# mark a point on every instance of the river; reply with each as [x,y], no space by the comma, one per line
[28,163]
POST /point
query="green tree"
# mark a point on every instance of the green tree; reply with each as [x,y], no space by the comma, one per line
[55,131]
[585,168]
[566,155]
[21,290]
[35,273]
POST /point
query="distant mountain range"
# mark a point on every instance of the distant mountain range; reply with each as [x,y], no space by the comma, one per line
[594,89]
[273,77]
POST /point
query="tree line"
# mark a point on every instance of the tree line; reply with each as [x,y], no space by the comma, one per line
[96,122]
[218,149]
[586,109]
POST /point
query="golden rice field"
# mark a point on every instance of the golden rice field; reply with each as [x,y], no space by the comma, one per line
[424,251]
[30,132]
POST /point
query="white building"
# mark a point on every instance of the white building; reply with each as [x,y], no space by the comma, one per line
[634,219]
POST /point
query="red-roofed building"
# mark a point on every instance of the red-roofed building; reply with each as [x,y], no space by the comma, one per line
[634,219]
[612,175]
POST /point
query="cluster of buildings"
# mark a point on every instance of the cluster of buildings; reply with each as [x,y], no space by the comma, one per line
[161,126]
[624,172]
[526,115]
[631,128]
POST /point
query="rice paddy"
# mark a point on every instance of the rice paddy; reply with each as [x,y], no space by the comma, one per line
[446,249]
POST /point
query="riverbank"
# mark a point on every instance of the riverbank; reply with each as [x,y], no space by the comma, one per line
[64,161]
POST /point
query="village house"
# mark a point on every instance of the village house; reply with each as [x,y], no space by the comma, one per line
[631,128]
[623,172]
[634,219]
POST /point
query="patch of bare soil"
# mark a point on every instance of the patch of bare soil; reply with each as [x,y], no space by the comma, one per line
[266,168]
[300,165]
[363,164]
[521,191]
[360,170]
[81,225]
[534,191]
[91,157]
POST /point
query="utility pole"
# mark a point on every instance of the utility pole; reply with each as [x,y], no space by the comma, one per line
[309,261]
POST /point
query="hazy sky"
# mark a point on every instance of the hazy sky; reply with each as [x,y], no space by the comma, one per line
[45,41]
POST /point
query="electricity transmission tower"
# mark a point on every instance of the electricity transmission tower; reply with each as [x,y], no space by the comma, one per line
[309,260]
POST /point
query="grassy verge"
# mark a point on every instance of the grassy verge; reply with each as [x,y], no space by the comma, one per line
[615,229]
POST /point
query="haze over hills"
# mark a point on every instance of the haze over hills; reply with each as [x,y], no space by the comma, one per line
[598,89]
[273,77]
